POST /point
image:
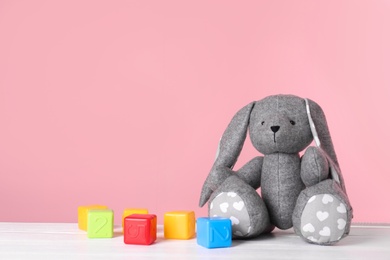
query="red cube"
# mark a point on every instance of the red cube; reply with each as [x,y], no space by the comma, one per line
[140,229]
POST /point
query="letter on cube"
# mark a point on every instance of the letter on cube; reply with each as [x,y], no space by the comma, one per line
[179,225]
[214,232]
[100,223]
[83,215]
[140,229]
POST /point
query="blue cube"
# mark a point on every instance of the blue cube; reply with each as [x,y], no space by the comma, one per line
[214,232]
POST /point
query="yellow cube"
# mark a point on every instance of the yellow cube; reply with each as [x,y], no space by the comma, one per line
[129,211]
[83,215]
[179,225]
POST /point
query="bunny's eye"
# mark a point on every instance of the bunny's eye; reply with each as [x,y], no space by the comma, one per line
[292,122]
[262,122]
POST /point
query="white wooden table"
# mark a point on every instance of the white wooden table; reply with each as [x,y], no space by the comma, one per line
[66,241]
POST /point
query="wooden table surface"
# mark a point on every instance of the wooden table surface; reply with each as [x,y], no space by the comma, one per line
[66,241]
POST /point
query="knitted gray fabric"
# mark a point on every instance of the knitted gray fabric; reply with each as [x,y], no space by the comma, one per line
[279,128]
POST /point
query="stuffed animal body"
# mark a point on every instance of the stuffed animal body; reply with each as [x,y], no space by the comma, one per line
[304,192]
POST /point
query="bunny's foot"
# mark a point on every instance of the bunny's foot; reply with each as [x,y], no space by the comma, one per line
[239,202]
[322,214]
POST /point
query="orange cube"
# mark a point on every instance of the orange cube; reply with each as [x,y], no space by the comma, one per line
[179,225]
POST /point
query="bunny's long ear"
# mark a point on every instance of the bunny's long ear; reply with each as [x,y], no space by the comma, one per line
[233,138]
[229,149]
[322,138]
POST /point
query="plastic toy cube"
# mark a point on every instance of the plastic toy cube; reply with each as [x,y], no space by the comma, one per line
[179,225]
[214,232]
[100,223]
[83,215]
[128,212]
[140,229]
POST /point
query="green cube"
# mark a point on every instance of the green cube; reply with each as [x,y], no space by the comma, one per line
[100,223]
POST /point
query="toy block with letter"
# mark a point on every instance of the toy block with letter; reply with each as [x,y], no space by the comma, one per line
[214,232]
[140,229]
[100,223]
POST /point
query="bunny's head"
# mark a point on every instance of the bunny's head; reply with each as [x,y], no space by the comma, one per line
[279,124]
[276,124]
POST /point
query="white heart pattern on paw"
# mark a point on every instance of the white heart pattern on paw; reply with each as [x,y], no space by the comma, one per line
[324,219]
[232,194]
[341,208]
[322,215]
[224,207]
[325,232]
[341,223]
[308,228]
[235,221]
[327,198]
[238,205]
[230,205]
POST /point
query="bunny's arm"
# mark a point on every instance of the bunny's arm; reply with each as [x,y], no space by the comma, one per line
[314,166]
[251,172]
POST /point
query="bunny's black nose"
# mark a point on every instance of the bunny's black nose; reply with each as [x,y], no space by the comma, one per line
[275,128]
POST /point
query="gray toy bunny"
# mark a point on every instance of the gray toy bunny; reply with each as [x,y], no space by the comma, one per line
[307,193]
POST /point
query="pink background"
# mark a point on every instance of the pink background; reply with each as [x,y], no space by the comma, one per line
[123,102]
